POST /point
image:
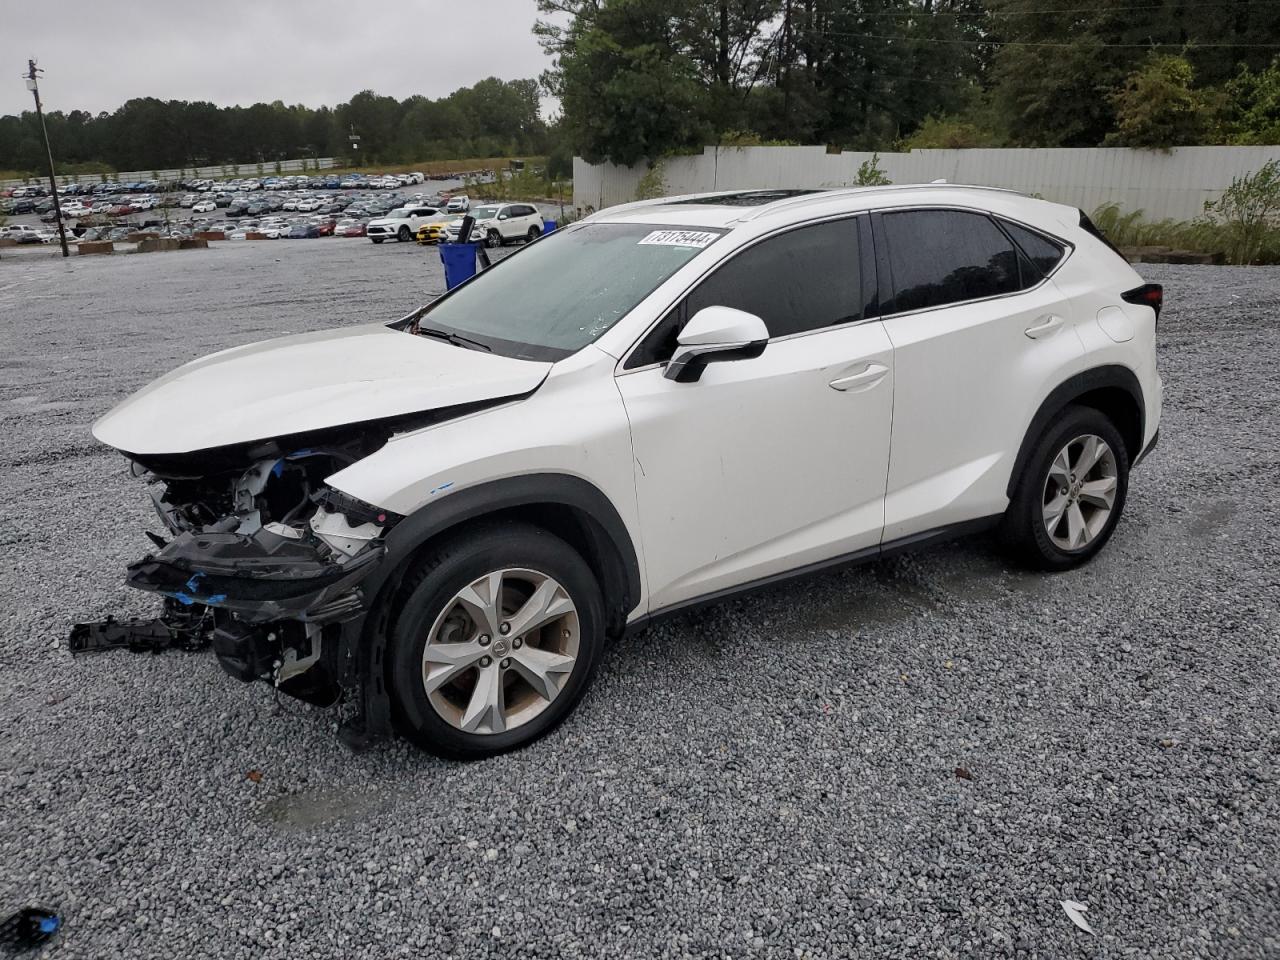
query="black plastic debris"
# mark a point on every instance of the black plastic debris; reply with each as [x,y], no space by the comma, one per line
[29,927]
[181,626]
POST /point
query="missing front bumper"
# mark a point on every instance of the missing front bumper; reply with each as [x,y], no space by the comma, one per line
[259,578]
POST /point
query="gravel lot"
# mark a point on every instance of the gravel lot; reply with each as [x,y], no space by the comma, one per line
[772,777]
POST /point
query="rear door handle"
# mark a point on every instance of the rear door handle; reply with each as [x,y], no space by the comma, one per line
[869,376]
[1043,326]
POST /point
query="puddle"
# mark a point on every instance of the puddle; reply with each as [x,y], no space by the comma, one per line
[28,405]
[1211,517]
[320,808]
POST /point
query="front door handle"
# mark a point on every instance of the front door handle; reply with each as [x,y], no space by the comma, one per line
[869,376]
[1043,326]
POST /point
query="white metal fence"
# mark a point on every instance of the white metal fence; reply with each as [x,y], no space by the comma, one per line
[221,171]
[1173,184]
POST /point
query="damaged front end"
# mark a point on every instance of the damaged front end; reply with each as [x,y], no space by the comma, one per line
[263,561]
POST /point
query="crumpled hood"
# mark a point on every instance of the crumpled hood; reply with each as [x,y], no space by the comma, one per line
[308,382]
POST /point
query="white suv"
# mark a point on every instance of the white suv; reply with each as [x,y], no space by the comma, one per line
[439,521]
[402,224]
[499,223]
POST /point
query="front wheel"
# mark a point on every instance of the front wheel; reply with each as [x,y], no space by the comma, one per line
[403,234]
[493,239]
[497,638]
[1071,493]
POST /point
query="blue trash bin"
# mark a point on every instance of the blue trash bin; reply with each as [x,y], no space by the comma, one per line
[459,261]
[548,226]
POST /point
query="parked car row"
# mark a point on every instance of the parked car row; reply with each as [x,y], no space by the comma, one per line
[270,227]
[283,182]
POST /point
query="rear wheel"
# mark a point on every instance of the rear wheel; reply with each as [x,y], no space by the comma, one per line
[497,639]
[1071,492]
[534,234]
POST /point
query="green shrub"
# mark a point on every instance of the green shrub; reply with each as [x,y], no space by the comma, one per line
[870,175]
[653,184]
[1249,211]
[1201,235]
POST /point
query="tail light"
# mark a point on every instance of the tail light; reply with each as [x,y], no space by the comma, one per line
[1148,295]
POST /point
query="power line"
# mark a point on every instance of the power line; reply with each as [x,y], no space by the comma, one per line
[924,15]
[1042,43]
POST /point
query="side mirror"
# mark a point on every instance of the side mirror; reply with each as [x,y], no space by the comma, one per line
[713,335]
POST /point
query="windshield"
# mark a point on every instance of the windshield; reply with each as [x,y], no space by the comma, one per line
[398,215]
[484,213]
[554,297]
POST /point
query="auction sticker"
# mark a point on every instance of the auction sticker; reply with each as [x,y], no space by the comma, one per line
[680,238]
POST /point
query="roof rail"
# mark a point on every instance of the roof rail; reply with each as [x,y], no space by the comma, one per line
[790,202]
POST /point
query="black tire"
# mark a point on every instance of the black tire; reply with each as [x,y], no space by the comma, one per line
[403,234]
[534,234]
[376,239]
[493,239]
[1023,530]
[459,561]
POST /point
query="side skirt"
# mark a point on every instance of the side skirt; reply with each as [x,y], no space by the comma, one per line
[915,541]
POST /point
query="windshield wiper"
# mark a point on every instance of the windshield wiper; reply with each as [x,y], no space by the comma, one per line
[457,339]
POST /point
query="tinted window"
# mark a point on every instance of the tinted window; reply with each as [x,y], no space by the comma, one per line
[1042,252]
[947,256]
[802,280]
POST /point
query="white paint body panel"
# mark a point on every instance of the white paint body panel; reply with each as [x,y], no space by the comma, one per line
[969,381]
[307,382]
[760,466]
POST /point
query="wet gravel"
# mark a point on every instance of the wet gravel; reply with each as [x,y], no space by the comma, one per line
[920,757]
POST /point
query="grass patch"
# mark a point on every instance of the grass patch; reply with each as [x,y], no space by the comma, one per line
[526,184]
[430,167]
[1201,235]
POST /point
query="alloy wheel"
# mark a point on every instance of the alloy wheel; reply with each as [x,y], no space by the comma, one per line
[1080,492]
[501,651]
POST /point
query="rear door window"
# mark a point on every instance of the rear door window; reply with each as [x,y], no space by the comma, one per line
[939,257]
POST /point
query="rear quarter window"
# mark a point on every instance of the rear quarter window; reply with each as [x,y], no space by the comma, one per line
[1043,254]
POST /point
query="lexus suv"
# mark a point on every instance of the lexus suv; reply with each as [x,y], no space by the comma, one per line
[499,223]
[403,224]
[437,522]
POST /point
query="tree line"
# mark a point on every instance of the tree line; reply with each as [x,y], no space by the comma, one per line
[640,79]
[493,118]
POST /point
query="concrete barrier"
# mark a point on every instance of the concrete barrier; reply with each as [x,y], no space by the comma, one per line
[157,245]
[95,246]
[1152,254]
[211,235]
[139,235]
[193,243]
[6,242]
[255,236]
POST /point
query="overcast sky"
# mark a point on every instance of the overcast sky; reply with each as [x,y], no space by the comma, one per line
[97,55]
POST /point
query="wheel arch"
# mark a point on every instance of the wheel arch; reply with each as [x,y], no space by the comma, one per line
[1113,390]
[569,507]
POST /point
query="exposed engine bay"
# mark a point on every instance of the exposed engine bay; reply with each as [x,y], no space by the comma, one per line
[260,554]
[262,560]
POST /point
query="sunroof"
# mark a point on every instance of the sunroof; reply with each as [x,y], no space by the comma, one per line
[747,198]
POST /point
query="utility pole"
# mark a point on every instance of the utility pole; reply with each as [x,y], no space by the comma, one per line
[34,87]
